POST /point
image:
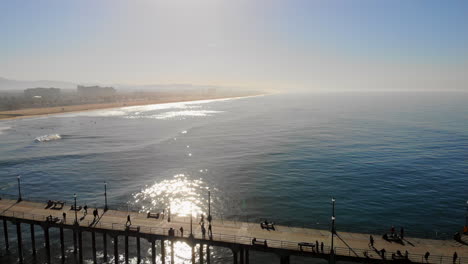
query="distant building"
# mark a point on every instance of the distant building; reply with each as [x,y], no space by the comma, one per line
[43,93]
[95,91]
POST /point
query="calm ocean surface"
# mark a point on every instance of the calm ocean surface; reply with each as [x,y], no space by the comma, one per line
[389,159]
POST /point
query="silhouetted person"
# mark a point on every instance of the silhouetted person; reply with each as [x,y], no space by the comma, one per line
[210,232]
[382,253]
[371,241]
[181,231]
[64,216]
[202,219]
[95,213]
[129,222]
[402,233]
[85,209]
[406,254]
[426,256]
[203,230]
[316,246]
[455,256]
[321,246]
[253,240]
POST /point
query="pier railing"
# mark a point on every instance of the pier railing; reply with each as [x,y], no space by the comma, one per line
[244,240]
[238,221]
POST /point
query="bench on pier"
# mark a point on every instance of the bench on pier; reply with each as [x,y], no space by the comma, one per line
[153,215]
[58,205]
[77,208]
[52,219]
[256,242]
[306,244]
[267,226]
[133,228]
[392,238]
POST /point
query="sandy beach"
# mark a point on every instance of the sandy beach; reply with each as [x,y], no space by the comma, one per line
[30,112]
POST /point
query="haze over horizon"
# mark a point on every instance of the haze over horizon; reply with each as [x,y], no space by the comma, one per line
[290,45]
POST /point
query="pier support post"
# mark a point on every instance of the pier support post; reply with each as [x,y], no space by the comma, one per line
[201,253]
[208,255]
[284,259]
[75,247]
[62,245]
[138,250]
[33,240]
[80,244]
[234,255]
[126,249]
[153,252]
[104,241]
[93,243]
[172,251]
[47,243]
[5,233]
[20,244]
[116,249]
[193,253]
[163,252]
[241,251]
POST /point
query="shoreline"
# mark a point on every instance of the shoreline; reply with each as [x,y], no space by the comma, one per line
[56,110]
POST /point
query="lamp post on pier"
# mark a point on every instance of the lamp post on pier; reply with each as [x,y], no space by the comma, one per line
[105,197]
[76,214]
[466,219]
[209,207]
[333,231]
[19,189]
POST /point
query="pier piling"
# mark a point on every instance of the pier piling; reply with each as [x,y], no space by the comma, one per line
[62,245]
[5,233]
[138,250]
[80,244]
[116,249]
[93,243]
[126,249]
[47,243]
[153,252]
[104,242]
[201,253]
[33,240]
[163,252]
[19,239]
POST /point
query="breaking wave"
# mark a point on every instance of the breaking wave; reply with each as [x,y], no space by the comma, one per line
[46,138]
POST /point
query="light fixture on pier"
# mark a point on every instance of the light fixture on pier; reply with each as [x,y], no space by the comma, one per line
[105,197]
[76,214]
[19,189]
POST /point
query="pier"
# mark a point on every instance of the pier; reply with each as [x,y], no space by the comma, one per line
[283,241]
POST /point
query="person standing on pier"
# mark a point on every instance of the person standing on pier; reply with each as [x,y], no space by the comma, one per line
[426,256]
[317,246]
[181,231]
[129,222]
[321,247]
[455,256]
[85,210]
[64,217]
[371,241]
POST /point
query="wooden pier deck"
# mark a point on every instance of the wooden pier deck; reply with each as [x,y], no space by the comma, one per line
[283,241]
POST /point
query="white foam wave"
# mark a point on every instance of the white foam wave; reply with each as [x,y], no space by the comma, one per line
[179,114]
[136,111]
[4,129]
[46,138]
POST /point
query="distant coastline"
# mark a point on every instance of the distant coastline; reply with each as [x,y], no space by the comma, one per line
[44,111]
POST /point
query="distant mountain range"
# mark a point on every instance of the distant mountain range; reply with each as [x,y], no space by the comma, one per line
[8,84]
[15,85]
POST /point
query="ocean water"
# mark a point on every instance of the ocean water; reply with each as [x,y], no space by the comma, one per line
[388,158]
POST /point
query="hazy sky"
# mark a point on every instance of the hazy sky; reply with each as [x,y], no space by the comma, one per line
[314,45]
